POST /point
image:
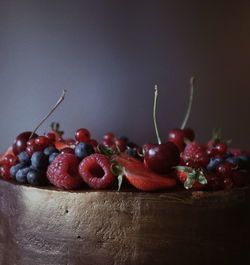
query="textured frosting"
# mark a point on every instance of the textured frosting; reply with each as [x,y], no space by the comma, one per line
[46,226]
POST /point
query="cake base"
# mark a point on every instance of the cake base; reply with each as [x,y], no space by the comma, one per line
[46,226]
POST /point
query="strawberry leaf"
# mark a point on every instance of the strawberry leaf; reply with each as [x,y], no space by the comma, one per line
[118,171]
[120,179]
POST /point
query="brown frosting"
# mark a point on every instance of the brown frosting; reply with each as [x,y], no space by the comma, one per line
[47,226]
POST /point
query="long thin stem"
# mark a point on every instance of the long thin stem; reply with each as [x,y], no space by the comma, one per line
[50,112]
[154,114]
[190,103]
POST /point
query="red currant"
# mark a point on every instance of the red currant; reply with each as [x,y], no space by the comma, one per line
[51,136]
[67,150]
[82,135]
[10,160]
[5,172]
[224,170]
[121,144]
[42,140]
[221,148]
[108,137]
[33,148]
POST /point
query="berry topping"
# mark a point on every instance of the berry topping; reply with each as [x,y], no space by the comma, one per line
[20,142]
[95,171]
[24,158]
[82,135]
[161,158]
[21,175]
[36,177]
[224,170]
[5,172]
[39,160]
[195,155]
[83,150]
[15,168]
[63,172]
[50,150]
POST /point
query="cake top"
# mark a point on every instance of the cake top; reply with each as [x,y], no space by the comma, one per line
[115,162]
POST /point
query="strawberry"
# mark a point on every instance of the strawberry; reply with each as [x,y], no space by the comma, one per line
[191,178]
[141,177]
[195,155]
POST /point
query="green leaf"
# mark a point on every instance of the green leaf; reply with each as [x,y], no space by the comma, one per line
[120,178]
[184,169]
[189,183]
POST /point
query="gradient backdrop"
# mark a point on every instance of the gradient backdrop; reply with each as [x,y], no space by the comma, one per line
[109,54]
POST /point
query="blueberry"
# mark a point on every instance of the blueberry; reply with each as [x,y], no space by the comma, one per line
[52,157]
[132,152]
[213,163]
[244,161]
[15,168]
[24,158]
[36,177]
[50,150]
[21,175]
[83,150]
[39,160]
[233,160]
[227,154]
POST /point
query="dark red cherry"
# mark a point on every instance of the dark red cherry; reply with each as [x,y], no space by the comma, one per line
[20,142]
[108,137]
[121,144]
[162,157]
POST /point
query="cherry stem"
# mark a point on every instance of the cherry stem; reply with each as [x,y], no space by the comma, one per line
[154,114]
[50,112]
[190,103]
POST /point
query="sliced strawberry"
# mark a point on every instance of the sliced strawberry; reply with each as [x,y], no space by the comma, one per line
[61,145]
[141,177]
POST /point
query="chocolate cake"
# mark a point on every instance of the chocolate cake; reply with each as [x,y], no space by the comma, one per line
[48,226]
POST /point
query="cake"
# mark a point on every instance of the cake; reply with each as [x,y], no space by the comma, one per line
[80,202]
[49,226]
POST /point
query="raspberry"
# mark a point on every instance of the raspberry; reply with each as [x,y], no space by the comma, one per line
[63,172]
[95,171]
[195,155]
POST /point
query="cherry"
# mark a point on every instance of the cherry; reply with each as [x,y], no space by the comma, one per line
[33,148]
[177,136]
[51,136]
[227,183]
[224,170]
[9,160]
[214,182]
[94,142]
[20,142]
[31,141]
[161,158]
[82,135]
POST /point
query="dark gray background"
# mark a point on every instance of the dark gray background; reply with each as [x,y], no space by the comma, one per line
[109,54]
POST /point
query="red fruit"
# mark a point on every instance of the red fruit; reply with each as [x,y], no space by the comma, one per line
[141,177]
[224,170]
[108,137]
[239,178]
[67,150]
[31,149]
[195,155]
[95,171]
[93,142]
[162,158]
[5,172]
[191,178]
[121,144]
[177,137]
[42,141]
[236,152]
[20,142]
[60,145]
[82,135]
[214,182]
[227,183]
[52,137]
[221,148]
[107,143]
[9,160]
[188,133]
[63,172]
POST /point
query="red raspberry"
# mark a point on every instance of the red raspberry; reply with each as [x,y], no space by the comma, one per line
[195,155]
[95,171]
[63,172]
